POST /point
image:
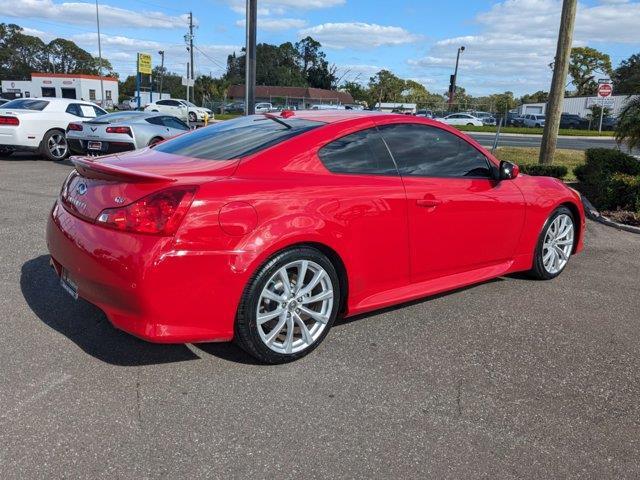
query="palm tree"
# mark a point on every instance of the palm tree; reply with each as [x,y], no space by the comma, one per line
[628,129]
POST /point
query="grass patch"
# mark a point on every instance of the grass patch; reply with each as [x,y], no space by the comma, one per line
[529,156]
[534,131]
[227,116]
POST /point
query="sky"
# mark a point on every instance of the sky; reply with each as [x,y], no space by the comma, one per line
[509,44]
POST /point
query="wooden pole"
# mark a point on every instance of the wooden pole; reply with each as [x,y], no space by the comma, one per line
[556,93]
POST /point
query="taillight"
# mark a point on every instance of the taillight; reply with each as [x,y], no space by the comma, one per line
[9,121]
[74,126]
[159,213]
[125,130]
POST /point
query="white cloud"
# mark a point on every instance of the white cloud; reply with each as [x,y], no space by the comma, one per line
[85,13]
[359,73]
[358,35]
[276,23]
[516,43]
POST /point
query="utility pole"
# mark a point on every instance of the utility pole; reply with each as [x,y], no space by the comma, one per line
[454,78]
[191,48]
[161,53]
[250,59]
[556,93]
[102,104]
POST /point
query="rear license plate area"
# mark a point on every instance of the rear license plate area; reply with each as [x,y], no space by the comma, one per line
[68,284]
[94,146]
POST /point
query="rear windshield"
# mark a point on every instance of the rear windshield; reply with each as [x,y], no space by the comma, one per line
[236,138]
[26,104]
[117,117]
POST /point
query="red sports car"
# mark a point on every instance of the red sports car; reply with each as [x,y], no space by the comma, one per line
[265,228]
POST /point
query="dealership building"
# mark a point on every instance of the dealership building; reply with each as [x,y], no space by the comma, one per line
[293,97]
[62,85]
[580,105]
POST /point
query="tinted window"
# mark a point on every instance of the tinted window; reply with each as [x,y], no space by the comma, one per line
[83,110]
[425,151]
[236,138]
[163,102]
[26,104]
[155,120]
[361,152]
[173,122]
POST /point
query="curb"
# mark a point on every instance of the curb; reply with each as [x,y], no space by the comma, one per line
[593,214]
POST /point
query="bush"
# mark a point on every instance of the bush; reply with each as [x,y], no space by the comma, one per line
[539,170]
[608,178]
[623,191]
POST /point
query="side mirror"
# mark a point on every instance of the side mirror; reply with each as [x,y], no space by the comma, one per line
[508,170]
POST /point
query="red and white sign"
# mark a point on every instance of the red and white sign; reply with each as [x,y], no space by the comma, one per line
[605,90]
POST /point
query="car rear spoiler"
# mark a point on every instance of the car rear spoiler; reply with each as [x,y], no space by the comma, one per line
[105,171]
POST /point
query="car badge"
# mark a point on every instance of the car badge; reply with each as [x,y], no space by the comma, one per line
[119,199]
[93,129]
[81,188]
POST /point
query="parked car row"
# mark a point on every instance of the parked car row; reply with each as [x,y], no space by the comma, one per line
[55,127]
[182,109]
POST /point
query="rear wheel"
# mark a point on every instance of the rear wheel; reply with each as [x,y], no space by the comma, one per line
[288,306]
[154,141]
[469,124]
[54,145]
[555,245]
[5,152]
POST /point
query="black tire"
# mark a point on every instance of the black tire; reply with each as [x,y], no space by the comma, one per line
[46,150]
[538,271]
[5,153]
[246,329]
[469,124]
[154,140]
[193,117]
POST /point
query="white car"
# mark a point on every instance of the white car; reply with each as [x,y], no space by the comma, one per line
[462,119]
[533,120]
[263,107]
[182,109]
[39,125]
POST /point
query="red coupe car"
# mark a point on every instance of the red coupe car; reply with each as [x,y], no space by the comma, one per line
[265,228]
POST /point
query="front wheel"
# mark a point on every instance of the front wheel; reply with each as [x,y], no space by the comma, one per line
[192,117]
[555,245]
[288,306]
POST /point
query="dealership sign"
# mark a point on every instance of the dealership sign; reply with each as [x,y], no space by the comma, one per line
[144,63]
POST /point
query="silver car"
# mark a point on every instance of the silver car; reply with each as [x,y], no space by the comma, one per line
[122,131]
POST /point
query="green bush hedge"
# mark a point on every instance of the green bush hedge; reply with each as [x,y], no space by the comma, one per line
[611,178]
[623,191]
[539,170]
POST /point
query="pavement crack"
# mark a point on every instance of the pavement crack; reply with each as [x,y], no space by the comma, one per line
[138,408]
[459,397]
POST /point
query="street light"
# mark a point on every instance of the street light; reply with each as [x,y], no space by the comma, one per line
[161,53]
[454,77]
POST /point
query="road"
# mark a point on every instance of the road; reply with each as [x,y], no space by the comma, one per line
[574,143]
[509,379]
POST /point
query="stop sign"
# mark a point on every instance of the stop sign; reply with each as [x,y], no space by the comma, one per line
[605,90]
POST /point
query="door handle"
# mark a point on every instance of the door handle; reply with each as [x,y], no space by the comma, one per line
[428,202]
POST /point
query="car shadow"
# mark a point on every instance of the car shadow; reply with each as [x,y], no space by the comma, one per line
[86,325]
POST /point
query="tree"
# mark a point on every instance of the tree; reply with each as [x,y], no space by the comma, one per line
[20,54]
[357,91]
[585,63]
[537,97]
[628,129]
[384,86]
[626,78]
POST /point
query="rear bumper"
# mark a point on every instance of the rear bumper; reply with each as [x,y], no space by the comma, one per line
[143,285]
[81,147]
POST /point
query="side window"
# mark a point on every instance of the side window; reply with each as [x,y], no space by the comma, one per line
[362,152]
[173,122]
[424,151]
[73,109]
[154,120]
[162,102]
[174,103]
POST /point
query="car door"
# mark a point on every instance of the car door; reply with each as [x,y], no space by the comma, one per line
[460,218]
[371,206]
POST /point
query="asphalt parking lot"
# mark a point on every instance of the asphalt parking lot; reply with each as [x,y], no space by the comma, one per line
[513,378]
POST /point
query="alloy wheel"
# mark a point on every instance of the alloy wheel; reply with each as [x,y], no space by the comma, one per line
[558,244]
[57,145]
[294,307]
